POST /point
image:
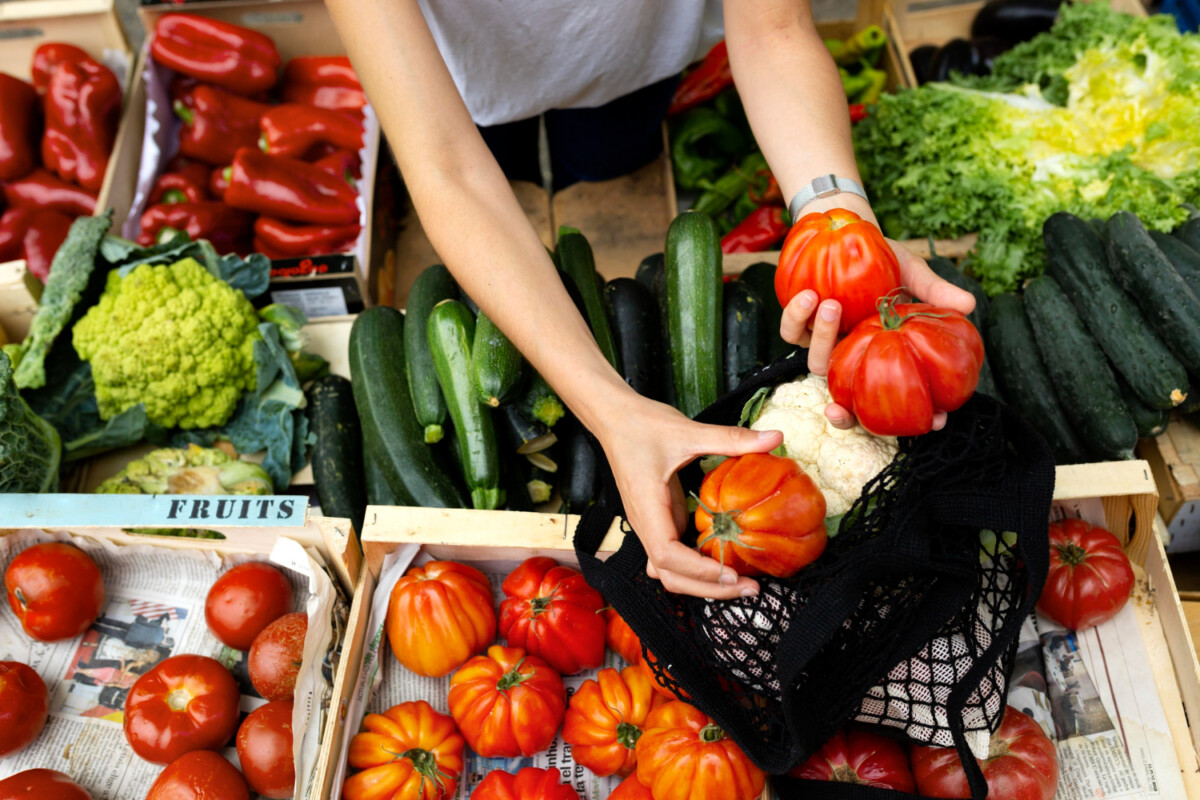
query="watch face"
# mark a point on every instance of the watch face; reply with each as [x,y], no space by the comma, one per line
[824,185]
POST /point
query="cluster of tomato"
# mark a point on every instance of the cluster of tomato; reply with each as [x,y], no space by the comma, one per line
[185,708]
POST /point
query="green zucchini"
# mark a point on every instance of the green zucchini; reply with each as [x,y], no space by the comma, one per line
[451,329]
[649,270]
[1085,385]
[395,440]
[761,276]
[1150,422]
[1023,380]
[1189,233]
[693,289]
[659,290]
[1184,259]
[1146,274]
[337,456]
[521,433]
[496,364]
[576,260]
[745,334]
[378,491]
[579,476]
[1077,261]
[431,287]
[634,318]
[516,491]
[541,403]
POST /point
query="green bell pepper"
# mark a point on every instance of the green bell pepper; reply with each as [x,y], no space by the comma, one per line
[703,144]
[729,187]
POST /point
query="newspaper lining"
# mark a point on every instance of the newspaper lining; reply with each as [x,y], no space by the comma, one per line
[154,609]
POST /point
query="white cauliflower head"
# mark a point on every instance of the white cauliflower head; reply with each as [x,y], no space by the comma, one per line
[839,461]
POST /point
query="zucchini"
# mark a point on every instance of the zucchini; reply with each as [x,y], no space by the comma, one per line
[395,440]
[575,259]
[378,491]
[1023,380]
[761,276]
[337,456]
[693,291]
[649,270]
[516,492]
[1081,376]
[1189,233]
[496,365]
[1077,261]
[541,403]
[579,475]
[1146,274]
[1150,422]
[745,334]
[471,305]
[1184,259]
[634,317]
[451,329]
[431,287]
[520,433]
[659,290]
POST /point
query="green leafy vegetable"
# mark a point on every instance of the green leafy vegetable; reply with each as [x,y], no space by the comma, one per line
[29,446]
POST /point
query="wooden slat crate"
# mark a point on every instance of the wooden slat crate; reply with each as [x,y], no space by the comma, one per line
[1174,456]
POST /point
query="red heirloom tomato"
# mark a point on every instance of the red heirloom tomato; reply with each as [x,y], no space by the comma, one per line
[199,775]
[439,615]
[1090,578]
[684,755]
[264,748]
[409,752]
[185,703]
[41,784]
[761,514]
[530,783]
[24,704]
[245,600]
[857,756]
[840,256]
[605,718]
[631,789]
[621,639]
[507,703]
[900,366]
[55,589]
[1021,764]
[552,613]
[276,656]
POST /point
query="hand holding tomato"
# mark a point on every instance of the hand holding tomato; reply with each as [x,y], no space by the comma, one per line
[24,706]
[409,752]
[506,703]
[245,600]
[684,755]
[1090,578]
[264,748]
[858,756]
[531,783]
[199,775]
[41,784]
[55,589]
[438,616]
[550,611]
[185,703]
[277,655]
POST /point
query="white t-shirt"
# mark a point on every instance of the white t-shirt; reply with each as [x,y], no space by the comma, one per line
[514,59]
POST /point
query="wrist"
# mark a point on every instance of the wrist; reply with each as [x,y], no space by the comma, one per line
[846,200]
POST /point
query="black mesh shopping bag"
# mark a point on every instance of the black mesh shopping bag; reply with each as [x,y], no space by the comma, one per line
[900,625]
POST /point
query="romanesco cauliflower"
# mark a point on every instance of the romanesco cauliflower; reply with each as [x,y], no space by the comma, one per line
[173,337]
[839,461]
[190,470]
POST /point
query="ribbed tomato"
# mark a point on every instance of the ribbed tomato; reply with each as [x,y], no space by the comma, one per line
[200,775]
[24,706]
[684,755]
[839,256]
[55,589]
[621,639]
[439,615]
[605,718]
[1089,579]
[631,789]
[531,783]
[41,784]
[858,756]
[409,752]
[185,703]
[550,611]
[506,703]
[761,514]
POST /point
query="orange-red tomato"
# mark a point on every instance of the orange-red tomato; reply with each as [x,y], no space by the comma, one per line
[631,789]
[605,718]
[185,703]
[245,600]
[409,752]
[199,775]
[41,784]
[264,748]
[439,615]
[506,703]
[531,783]
[621,639]
[684,755]
[659,686]
[276,656]
[858,756]
[550,611]
[24,705]
[761,514]
[1089,579]
[55,589]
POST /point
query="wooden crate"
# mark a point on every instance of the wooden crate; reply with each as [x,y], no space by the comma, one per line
[1174,456]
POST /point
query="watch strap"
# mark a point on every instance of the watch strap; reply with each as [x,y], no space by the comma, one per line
[823,186]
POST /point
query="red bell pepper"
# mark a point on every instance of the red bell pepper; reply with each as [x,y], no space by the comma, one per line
[218,181]
[323,81]
[47,231]
[13,225]
[764,228]
[48,57]
[706,81]
[82,104]
[228,229]
[343,163]
[293,130]
[858,112]
[335,98]
[764,189]
[290,189]
[41,189]
[241,60]
[181,183]
[19,127]
[216,123]
[277,238]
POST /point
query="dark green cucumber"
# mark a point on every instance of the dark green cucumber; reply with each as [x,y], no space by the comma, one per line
[521,433]
[496,364]
[1189,233]
[541,403]
[377,489]
[761,276]
[516,492]
[1022,377]
[395,440]
[1085,385]
[649,270]
[693,277]
[1146,274]
[1077,261]
[579,473]
[1150,422]
[1184,259]
[337,457]
[745,333]
[987,382]
[945,269]
[451,330]
[659,290]
[575,259]
[634,318]
[430,288]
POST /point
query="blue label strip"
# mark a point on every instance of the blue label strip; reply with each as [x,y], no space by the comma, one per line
[151,511]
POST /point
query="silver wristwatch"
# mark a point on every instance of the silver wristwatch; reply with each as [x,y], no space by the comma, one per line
[822,186]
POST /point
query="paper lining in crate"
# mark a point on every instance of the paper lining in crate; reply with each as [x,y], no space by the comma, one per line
[155,589]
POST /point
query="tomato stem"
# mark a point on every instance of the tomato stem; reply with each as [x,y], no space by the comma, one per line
[891,318]
[844,773]
[538,605]
[178,699]
[511,678]
[711,732]
[425,763]
[1071,554]
[628,734]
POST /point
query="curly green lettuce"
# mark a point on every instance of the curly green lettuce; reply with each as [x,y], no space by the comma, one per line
[30,448]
